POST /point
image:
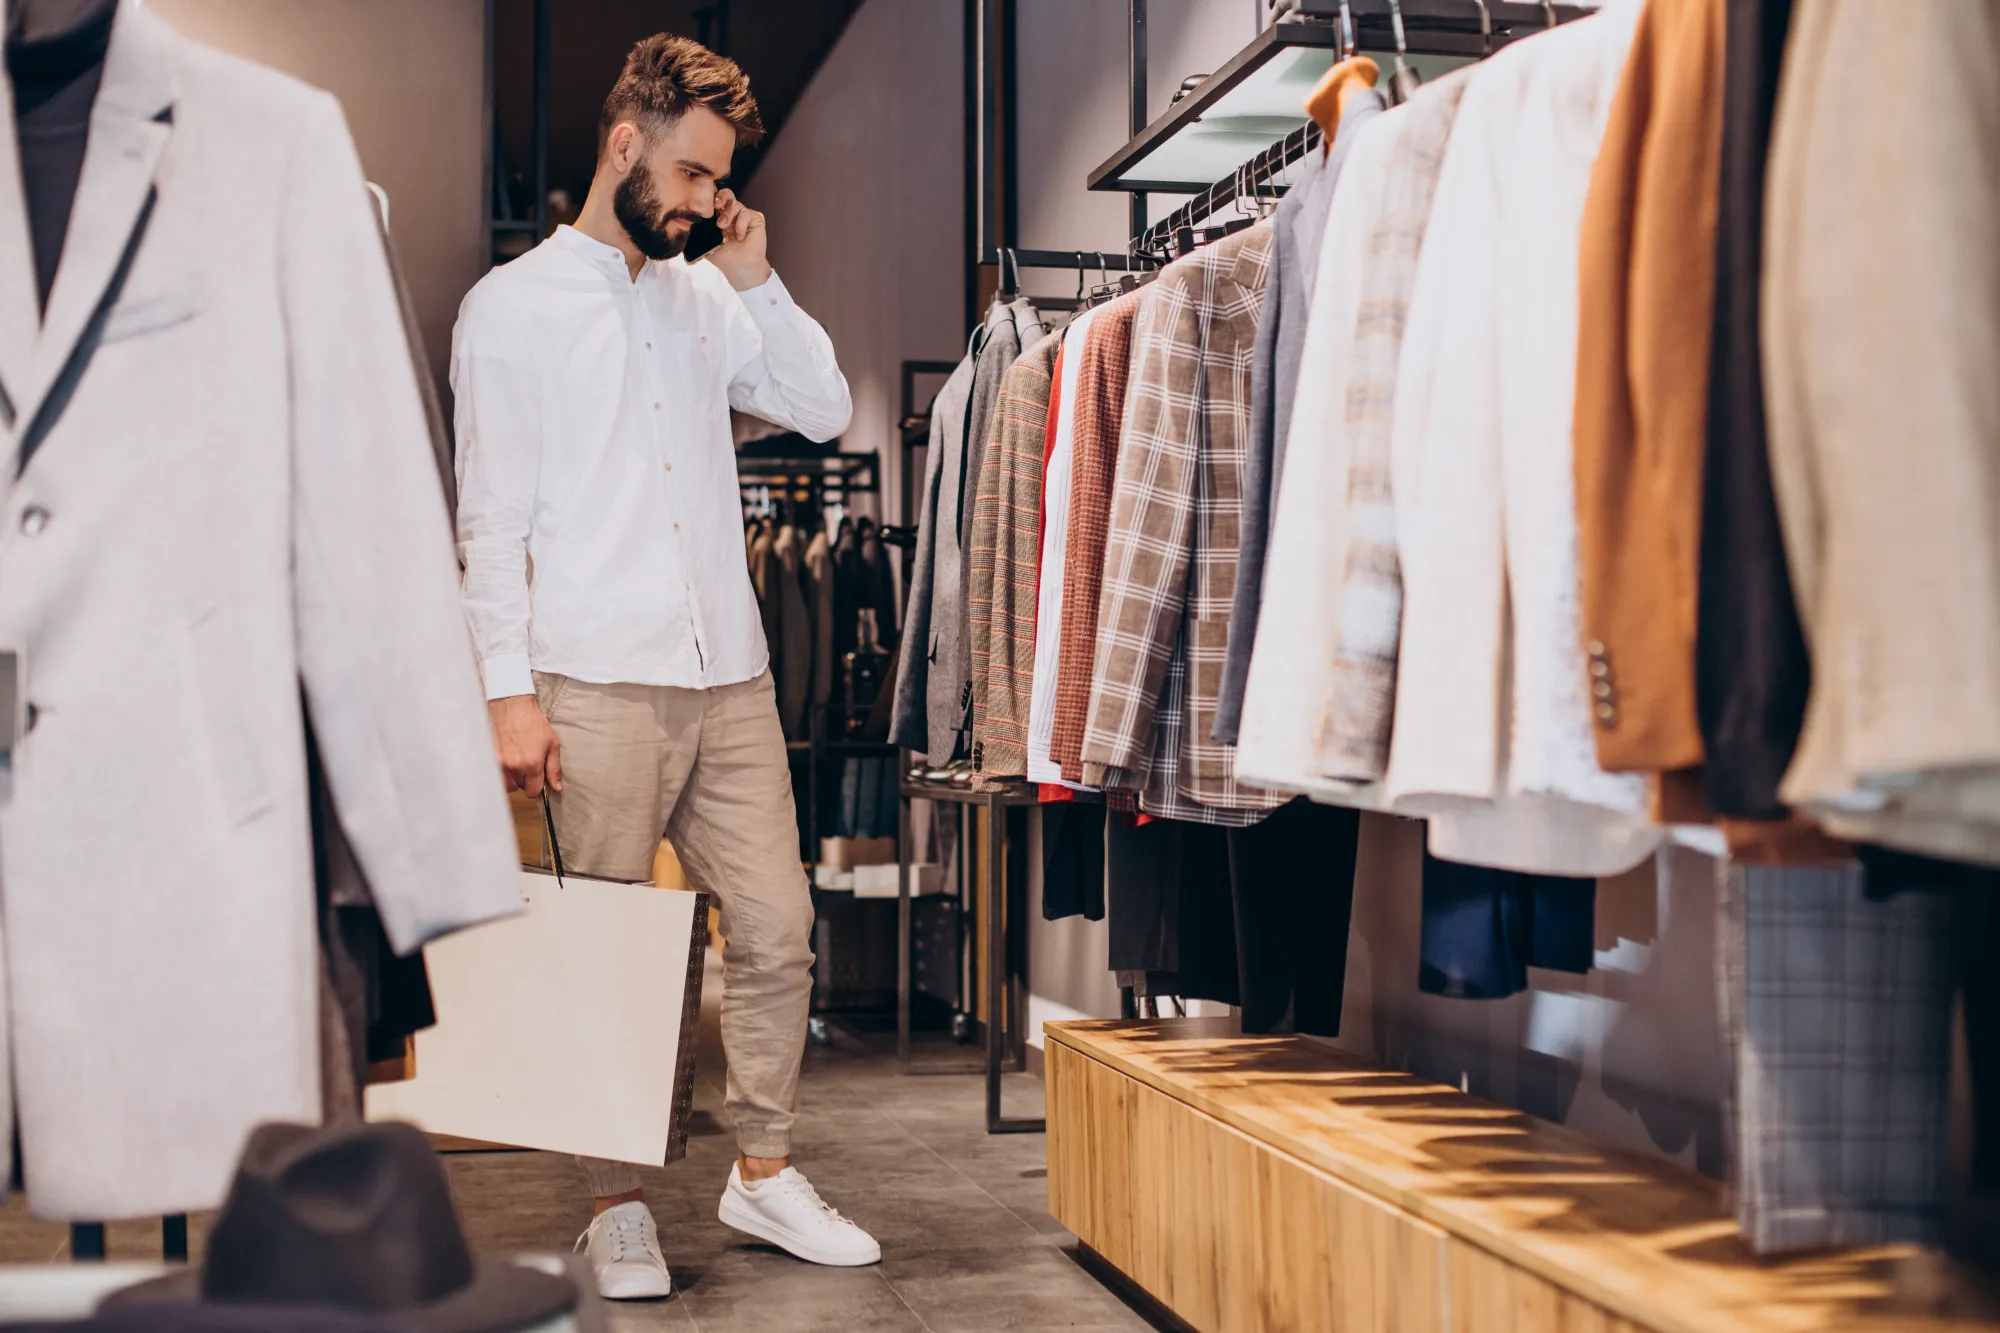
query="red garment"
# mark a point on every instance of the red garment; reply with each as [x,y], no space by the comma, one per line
[1048,452]
[1101,376]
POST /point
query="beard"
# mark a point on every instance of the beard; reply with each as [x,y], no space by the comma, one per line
[638,211]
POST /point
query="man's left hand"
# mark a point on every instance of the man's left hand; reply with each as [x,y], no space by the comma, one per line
[741,254]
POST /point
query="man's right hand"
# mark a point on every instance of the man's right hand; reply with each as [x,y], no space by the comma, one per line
[530,754]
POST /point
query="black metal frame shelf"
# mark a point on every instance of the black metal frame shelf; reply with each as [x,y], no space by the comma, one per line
[1430,27]
[993,973]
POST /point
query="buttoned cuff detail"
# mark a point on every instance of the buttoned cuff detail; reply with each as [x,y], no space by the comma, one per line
[769,300]
[506,675]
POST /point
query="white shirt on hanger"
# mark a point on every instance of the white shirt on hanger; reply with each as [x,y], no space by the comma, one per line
[599,516]
[1055,542]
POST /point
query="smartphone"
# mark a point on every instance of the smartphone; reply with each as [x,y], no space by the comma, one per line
[703,236]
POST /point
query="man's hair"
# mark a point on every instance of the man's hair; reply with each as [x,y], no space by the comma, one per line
[664,76]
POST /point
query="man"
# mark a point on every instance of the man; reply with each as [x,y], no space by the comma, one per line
[625,664]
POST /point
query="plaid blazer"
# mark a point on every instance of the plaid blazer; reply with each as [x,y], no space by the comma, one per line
[1006,551]
[1102,374]
[1170,566]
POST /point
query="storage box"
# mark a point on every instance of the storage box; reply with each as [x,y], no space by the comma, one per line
[847,853]
[880,881]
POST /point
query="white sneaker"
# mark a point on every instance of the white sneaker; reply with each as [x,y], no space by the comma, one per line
[625,1252]
[788,1212]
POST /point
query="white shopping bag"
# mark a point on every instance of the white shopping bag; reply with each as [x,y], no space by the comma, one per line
[570,1028]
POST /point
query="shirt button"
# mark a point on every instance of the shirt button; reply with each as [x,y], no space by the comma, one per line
[704,337]
[33,519]
[649,347]
[656,407]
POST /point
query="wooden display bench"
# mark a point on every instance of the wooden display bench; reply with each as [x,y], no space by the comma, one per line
[1263,1184]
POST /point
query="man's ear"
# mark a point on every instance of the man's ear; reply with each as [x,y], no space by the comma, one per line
[623,146]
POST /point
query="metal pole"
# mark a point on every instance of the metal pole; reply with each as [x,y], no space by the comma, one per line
[905,934]
[721,27]
[1008,186]
[541,125]
[1137,10]
[973,232]
[174,1238]
[996,966]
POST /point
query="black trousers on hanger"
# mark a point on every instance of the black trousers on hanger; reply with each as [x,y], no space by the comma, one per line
[1256,917]
[1483,928]
[1171,908]
[1073,860]
[1292,882]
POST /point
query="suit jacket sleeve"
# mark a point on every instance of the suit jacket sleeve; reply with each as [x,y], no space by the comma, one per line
[384,656]
[1152,528]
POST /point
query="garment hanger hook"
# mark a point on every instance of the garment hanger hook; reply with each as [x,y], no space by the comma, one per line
[1485,29]
[1079,277]
[1346,31]
[1549,12]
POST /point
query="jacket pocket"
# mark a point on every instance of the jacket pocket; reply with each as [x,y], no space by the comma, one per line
[216,653]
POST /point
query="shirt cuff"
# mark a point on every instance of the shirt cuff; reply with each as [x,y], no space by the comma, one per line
[769,301]
[507,674]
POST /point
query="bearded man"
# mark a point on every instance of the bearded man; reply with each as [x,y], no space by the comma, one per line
[600,524]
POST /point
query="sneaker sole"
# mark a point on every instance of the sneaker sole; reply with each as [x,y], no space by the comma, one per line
[733,1215]
[637,1295]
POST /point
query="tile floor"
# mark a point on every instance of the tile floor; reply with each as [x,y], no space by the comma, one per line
[968,1244]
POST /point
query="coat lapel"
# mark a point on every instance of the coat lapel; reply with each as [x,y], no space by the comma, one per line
[130,126]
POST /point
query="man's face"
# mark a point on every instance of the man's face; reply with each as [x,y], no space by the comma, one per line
[670,180]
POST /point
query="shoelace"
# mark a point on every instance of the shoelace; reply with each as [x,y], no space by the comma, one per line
[628,1234]
[802,1188]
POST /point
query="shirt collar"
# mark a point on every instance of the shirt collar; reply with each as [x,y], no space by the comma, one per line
[607,258]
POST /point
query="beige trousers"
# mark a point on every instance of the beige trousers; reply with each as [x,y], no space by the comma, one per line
[708,769]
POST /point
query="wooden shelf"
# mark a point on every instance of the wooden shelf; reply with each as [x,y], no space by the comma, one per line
[1265,1183]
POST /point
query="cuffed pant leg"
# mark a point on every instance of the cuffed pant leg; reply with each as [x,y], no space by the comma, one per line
[737,835]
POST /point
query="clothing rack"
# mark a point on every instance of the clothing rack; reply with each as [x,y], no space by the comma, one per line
[1254,180]
[830,477]
[1406,27]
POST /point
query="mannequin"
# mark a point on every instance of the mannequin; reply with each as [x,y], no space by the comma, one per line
[55,61]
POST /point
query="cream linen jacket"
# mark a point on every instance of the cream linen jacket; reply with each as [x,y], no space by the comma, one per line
[1882,361]
[232,519]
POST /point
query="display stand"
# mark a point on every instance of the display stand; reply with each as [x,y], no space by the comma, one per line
[993,934]
[1256,1183]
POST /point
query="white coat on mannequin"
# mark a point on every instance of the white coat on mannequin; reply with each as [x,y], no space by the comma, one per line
[233,508]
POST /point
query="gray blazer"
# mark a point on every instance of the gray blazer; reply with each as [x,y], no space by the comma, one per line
[232,521]
[909,719]
[1298,230]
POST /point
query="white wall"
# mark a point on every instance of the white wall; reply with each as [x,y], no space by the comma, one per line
[864,189]
[412,81]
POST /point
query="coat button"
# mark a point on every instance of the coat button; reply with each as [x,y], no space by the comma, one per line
[1595,648]
[1603,690]
[33,519]
[1600,668]
[1607,717]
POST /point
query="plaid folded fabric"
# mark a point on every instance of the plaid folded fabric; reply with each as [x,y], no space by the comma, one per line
[1170,563]
[1102,375]
[1354,736]
[1838,1012]
[1006,548]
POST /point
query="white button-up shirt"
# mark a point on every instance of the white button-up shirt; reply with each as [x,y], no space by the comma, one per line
[599,516]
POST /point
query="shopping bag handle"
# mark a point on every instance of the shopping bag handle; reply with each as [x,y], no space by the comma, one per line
[555,848]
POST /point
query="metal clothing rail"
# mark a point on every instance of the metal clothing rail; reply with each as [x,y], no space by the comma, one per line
[1255,179]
